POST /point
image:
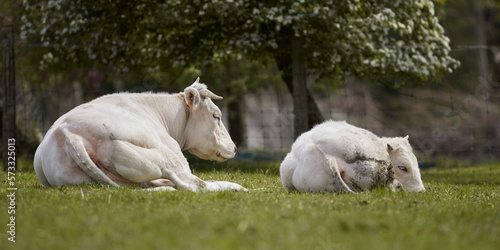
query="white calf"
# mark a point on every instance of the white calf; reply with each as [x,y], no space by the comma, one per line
[131,138]
[338,157]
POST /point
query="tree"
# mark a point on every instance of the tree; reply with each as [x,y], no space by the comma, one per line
[385,41]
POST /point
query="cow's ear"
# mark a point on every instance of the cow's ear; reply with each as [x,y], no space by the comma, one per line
[393,147]
[192,97]
[390,148]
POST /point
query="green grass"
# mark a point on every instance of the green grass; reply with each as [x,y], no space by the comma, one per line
[459,173]
[455,213]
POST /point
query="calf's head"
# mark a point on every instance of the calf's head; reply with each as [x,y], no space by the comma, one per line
[206,135]
[404,164]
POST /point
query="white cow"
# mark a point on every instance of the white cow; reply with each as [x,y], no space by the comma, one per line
[132,138]
[338,157]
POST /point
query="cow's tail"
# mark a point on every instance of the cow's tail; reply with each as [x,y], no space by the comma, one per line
[79,154]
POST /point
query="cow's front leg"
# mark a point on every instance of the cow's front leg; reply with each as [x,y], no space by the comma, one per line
[150,165]
[223,186]
[153,166]
[179,173]
[396,186]
[188,181]
[168,185]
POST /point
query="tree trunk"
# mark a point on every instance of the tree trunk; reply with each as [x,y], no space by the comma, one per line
[300,107]
[9,99]
[284,60]
[314,115]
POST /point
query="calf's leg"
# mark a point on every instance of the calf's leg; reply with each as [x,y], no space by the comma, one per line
[317,172]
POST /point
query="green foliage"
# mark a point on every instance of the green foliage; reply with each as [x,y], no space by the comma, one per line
[234,78]
[447,216]
[378,39]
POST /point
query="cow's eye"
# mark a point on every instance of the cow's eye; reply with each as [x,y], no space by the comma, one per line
[402,168]
[216,117]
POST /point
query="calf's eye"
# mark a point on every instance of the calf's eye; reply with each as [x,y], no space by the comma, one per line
[216,117]
[402,168]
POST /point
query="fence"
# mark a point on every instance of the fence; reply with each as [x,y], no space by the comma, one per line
[440,120]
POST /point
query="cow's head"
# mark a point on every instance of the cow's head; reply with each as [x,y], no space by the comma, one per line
[206,135]
[404,164]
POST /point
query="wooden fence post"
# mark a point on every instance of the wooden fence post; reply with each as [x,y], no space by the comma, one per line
[9,98]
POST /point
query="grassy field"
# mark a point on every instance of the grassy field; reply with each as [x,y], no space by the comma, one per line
[459,211]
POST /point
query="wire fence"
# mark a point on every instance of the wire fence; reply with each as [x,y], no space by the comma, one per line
[443,121]
[440,123]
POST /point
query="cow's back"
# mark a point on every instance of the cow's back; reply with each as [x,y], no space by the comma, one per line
[348,142]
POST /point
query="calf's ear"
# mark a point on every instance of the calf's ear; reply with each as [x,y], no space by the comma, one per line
[192,97]
[391,148]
